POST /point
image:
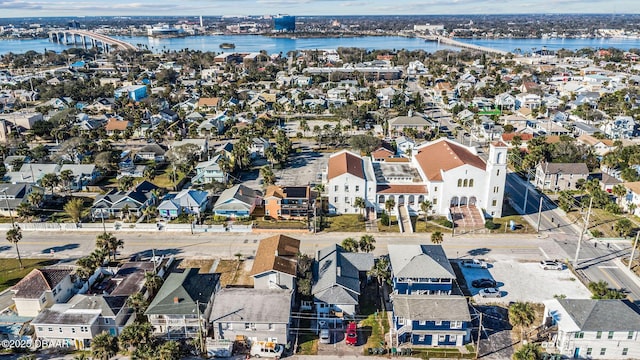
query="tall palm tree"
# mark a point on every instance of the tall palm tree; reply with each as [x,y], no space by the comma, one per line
[169,350]
[359,203]
[619,191]
[152,282]
[426,206]
[388,205]
[135,335]
[437,237]
[521,314]
[138,304]
[35,199]
[109,243]
[104,346]
[350,244]
[50,181]
[381,270]
[14,235]
[366,243]
[66,177]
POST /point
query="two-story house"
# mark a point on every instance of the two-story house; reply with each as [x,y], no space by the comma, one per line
[560,176]
[121,203]
[275,263]
[187,201]
[431,320]
[238,201]
[420,270]
[288,202]
[338,276]
[350,176]
[42,288]
[183,304]
[208,171]
[12,195]
[593,329]
[257,314]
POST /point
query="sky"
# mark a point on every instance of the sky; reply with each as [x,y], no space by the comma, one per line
[37,8]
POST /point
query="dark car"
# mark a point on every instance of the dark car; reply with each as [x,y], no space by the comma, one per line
[483,283]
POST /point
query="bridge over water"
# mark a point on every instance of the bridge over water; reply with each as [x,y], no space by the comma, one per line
[460,44]
[84,38]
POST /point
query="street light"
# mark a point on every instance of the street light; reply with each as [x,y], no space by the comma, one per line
[6,199]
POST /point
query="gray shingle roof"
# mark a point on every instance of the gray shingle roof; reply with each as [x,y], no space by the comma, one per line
[431,308]
[565,168]
[603,315]
[333,268]
[420,261]
[252,305]
[180,291]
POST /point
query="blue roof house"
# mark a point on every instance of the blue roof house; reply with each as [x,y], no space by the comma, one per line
[420,270]
[134,92]
[188,201]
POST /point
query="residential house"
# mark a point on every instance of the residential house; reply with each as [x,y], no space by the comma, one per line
[22,120]
[607,182]
[420,270]
[209,104]
[560,176]
[528,100]
[632,200]
[258,146]
[350,176]
[275,263]
[114,125]
[208,171]
[183,304]
[338,277]
[593,329]
[82,175]
[238,201]
[600,146]
[31,173]
[580,129]
[404,146]
[255,314]
[123,203]
[83,317]
[288,202]
[42,288]
[431,321]
[399,123]
[621,127]
[187,201]
[133,92]
[12,195]
[150,152]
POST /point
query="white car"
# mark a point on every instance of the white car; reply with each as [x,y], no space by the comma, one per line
[266,349]
[325,338]
[474,263]
[490,292]
[551,265]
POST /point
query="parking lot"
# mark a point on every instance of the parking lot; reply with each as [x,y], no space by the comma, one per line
[338,345]
[525,281]
[303,168]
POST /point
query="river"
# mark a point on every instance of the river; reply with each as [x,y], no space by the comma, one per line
[254,43]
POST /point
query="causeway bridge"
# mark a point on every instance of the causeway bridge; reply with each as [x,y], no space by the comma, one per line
[84,38]
[449,41]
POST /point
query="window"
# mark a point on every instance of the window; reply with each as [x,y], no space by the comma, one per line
[267,212]
[335,188]
[471,183]
[39,328]
[73,330]
[435,189]
[346,199]
[247,326]
[579,335]
[357,188]
[459,182]
[452,338]
[420,338]
[43,299]
[630,335]
[272,327]
[442,338]
[439,323]
[55,291]
[496,189]
[466,183]
[599,335]
[435,201]
[346,188]
[494,202]
[422,322]
[610,335]
[603,351]
[625,351]
[84,329]
[60,330]
[49,329]
[335,199]
[589,350]
[498,172]
[456,324]
[400,320]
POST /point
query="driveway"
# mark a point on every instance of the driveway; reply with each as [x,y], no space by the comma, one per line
[517,281]
[339,347]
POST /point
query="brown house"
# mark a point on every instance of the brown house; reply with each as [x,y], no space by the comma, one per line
[288,202]
[275,263]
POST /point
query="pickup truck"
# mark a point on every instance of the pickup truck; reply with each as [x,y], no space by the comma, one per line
[474,263]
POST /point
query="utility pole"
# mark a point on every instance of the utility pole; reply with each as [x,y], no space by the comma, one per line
[203,348]
[539,214]
[584,229]
[526,193]
[633,251]
[479,334]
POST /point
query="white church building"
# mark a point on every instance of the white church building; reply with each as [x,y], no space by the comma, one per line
[445,172]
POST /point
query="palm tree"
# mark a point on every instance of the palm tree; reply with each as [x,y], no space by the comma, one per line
[268,176]
[381,270]
[138,304]
[109,243]
[150,212]
[74,209]
[134,335]
[389,205]
[350,244]
[225,166]
[150,172]
[521,314]
[426,206]
[528,352]
[359,203]
[66,176]
[14,235]
[104,346]
[366,243]
[152,282]
[169,350]
[50,181]
[24,210]
[125,183]
[437,237]
[619,191]
[35,199]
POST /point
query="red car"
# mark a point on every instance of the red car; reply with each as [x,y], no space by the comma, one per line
[352,334]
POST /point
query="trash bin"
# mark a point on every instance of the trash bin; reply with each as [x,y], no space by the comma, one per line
[512,225]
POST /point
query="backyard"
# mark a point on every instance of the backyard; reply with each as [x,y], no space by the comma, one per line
[342,223]
[10,272]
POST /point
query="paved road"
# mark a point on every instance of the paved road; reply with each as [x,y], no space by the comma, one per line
[597,260]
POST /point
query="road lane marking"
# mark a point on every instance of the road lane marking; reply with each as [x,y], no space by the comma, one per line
[607,267]
[543,253]
[610,278]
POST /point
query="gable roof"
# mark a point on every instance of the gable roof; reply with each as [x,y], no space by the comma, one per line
[38,281]
[565,168]
[278,253]
[444,155]
[345,162]
[239,192]
[336,274]
[252,306]
[181,291]
[418,261]
[602,315]
[431,308]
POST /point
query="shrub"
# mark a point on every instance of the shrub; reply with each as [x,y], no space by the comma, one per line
[489,224]
[267,218]
[360,217]
[596,233]
[384,219]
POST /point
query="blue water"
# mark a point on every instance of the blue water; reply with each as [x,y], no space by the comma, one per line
[254,43]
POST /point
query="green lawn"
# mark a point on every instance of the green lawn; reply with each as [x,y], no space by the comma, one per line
[162,179]
[420,226]
[600,220]
[307,339]
[372,326]
[273,224]
[10,272]
[522,226]
[342,223]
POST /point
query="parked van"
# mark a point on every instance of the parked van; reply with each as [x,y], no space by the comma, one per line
[266,349]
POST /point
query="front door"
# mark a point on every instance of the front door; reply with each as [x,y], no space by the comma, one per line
[576,353]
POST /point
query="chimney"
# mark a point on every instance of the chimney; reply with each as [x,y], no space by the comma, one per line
[176,300]
[339,271]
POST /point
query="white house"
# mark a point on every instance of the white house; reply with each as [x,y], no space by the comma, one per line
[349,176]
[40,289]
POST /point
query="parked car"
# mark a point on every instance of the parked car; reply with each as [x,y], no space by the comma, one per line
[352,334]
[474,263]
[266,349]
[325,338]
[490,292]
[483,283]
[551,265]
